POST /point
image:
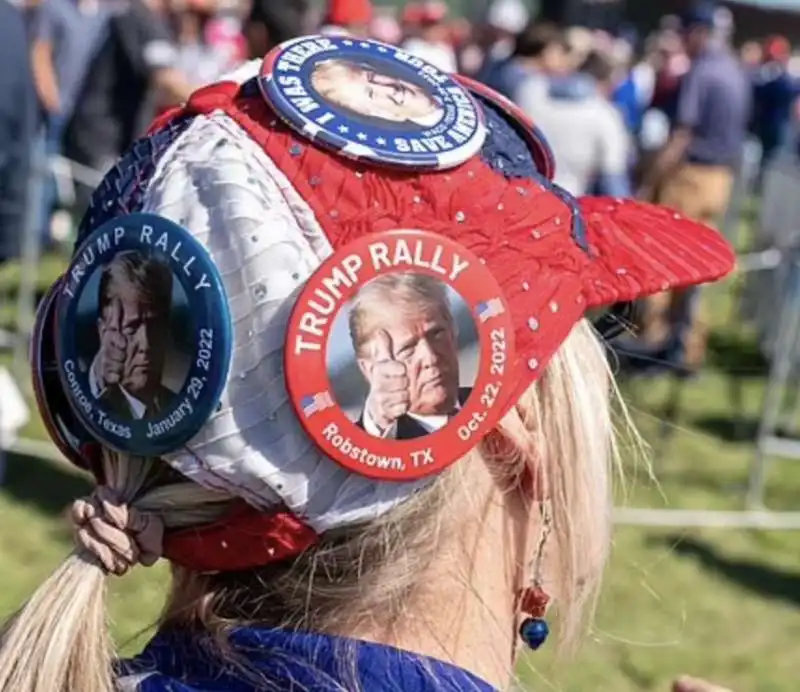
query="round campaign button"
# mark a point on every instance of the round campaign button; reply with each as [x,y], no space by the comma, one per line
[399,354]
[373,102]
[66,431]
[144,335]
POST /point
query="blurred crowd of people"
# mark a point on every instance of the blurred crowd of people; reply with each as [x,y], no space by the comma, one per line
[622,112]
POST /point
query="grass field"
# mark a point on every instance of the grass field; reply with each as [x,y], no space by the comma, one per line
[721,604]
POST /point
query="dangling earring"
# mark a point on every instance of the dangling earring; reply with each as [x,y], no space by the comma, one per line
[534,600]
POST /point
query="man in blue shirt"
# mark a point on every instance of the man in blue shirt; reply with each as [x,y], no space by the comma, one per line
[775,91]
[18,122]
[694,172]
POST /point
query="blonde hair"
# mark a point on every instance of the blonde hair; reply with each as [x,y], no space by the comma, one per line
[561,428]
[400,291]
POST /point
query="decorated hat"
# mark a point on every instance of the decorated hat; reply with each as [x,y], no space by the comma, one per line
[320,283]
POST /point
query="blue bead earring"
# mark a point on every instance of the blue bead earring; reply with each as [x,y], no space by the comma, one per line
[534,600]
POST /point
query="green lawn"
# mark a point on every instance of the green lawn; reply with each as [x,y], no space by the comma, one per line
[722,604]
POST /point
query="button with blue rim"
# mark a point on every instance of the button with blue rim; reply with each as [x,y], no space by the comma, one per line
[372,102]
[144,335]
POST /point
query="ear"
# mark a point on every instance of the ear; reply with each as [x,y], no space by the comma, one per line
[365,366]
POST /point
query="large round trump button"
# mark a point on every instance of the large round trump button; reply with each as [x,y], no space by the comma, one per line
[144,335]
[372,102]
[399,354]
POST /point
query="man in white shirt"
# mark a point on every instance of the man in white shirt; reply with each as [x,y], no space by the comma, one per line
[585,130]
[134,303]
[405,340]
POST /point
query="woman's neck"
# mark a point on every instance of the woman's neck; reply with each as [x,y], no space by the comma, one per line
[465,612]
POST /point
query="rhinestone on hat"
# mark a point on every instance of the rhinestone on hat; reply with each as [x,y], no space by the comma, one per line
[533,363]
[553,306]
[460,216]
[295,150]
[526,286]
[533,324]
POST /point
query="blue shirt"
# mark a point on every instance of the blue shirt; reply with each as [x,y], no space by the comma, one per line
[18,124]
[75,36]
[714,102]
[283,660]
[775,90]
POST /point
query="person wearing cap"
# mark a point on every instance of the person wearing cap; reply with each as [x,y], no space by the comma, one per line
[775,93]
[430,40]
[295,566]
[694,172]
[347,18]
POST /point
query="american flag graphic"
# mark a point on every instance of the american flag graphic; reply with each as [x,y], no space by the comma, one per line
[491,308]
[315,403]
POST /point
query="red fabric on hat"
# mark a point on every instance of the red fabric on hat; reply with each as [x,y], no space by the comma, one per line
[242,539]
[518,227]
[348,12]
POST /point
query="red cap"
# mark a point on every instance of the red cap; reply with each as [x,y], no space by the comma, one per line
[554,257]
[432,12]
[777,48]
[348,12]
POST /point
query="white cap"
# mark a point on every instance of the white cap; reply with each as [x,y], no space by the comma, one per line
[508,15]
[266,244]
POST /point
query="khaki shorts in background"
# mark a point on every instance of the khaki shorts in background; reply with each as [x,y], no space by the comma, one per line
[701,193]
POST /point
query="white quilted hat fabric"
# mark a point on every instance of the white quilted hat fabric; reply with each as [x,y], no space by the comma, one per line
[222,187]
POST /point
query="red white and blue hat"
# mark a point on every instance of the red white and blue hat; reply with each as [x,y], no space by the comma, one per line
[240,203]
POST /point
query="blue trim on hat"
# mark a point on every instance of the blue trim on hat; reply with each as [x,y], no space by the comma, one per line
[124,186]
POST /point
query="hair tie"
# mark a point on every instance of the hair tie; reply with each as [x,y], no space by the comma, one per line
[118,535]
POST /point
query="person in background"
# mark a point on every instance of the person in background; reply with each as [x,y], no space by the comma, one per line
[18,124]
[346,17]
[587,133]
[135,65]
[65,36]
[270,23]
[431,40]
[694,172]
[384,27]
[540,53]
[751,53]
[201,62]
[774,94]
[505,20]
[671,64]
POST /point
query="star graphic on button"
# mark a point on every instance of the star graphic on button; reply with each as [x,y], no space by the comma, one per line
[343,129]
[347,43]
[361,136]
[380,140]
[363,44]
[381,49]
